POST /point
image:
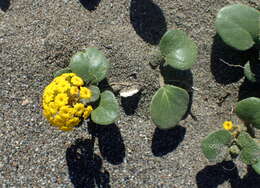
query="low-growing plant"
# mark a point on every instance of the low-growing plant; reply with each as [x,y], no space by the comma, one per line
[170,103]
[239,27]
[237,140]
[74,94]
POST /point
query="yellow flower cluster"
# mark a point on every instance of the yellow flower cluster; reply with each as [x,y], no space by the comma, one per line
[61,101]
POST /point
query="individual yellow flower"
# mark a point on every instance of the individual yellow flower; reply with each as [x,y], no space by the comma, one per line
[47,113]
[228,125]
[61,99]
[66,112]
[72,122]
[59,79]
[74,90]
[79,109]
[85,93]
[87,112]
[77,81]
[48,98]
[53,108]
[58,121]
[63,86]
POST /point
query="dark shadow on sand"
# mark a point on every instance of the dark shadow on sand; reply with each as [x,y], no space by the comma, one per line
[223,73]
[85,167]
[215,175]
[148,20]
[110,142]
[165,141]
[4,5]
[90,4]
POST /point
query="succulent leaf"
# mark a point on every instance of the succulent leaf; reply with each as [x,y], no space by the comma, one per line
[168,106]
[179,51]
[108,110]
[245,140]
[249,111]
[91,65]
[250,155]
[238,26]
[256,167]
[215,145]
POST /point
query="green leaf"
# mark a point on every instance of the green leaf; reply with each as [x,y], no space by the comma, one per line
[95,95]
[179,51]
[250,155]
[215,145]
[91,65]
[245,140]
[256,167]
[62,71]
[249,111]
[238,26]
[248,73]
[108,110]
[168,106]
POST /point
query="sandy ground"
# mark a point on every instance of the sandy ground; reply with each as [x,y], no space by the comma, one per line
[38,37]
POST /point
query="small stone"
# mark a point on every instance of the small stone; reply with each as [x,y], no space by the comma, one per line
[26,101]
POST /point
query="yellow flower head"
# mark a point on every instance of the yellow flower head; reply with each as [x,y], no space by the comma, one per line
[58,121]
[228,125]
[87,112]
[74,90]
[77,81]
[63,86]
[66,112]
[79,109]
[72,122]
[53,108]
[85,93]
[61,101]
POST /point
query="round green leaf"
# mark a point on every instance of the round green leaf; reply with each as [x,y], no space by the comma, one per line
[215,145]
[238,26]
[95,95]
[249,111]
[245,140]
[250,155]
[168,106]
[179,51]
[108,110]
[91,65]
[256,167]
[62,71]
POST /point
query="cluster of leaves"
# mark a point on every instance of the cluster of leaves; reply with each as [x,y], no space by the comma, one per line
[170,103]
[239,27]
[223,144]
[92,66]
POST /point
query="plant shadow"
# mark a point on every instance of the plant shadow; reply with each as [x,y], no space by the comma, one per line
[130,104]
[165,141]
[90,4]
[182,79]
[215,175]
[85,167]
[222,54]
[110,142]
[4,5]
[148,20]
[248,89]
